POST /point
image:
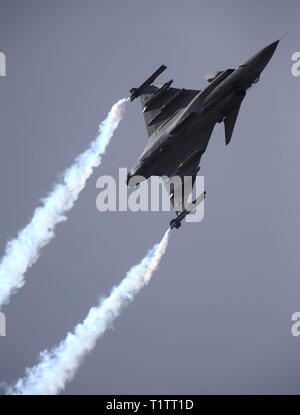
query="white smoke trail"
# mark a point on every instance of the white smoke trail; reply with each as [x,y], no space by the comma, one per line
[22,252]
[59,365]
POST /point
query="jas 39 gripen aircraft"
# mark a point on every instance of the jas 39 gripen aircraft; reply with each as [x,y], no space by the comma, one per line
[180,123]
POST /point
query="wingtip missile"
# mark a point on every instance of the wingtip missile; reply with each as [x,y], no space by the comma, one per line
[136,92]
[176,222]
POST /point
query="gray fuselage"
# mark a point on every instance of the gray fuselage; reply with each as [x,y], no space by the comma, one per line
[187,131]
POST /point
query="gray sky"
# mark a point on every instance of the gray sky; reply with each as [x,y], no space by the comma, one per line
[216,316]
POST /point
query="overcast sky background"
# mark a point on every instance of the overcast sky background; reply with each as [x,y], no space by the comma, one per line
[216,317]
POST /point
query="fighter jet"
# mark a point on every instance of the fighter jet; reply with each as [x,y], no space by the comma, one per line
[180,123]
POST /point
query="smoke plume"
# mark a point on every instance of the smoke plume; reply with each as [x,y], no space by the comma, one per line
[24,250]
[59,365]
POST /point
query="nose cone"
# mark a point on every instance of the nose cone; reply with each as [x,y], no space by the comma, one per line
[260,60]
